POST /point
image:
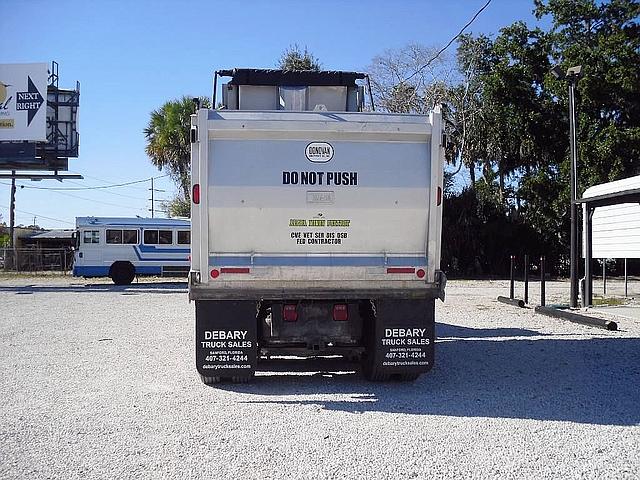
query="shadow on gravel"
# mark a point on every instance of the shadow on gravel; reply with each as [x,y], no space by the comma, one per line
[133,289]
[446,330]
[593,381]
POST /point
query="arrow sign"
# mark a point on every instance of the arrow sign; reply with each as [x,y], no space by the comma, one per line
[31,101]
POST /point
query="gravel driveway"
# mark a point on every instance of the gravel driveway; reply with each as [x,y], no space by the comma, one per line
[99,382]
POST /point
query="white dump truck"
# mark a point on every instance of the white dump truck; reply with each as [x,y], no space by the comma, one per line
[316,226]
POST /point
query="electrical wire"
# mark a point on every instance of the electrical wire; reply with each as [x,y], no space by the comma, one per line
[95,187]
[98,201]
[38,215]
[448,44]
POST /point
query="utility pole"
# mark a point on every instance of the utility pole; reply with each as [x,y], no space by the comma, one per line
[152,204]
[152,209]
[12,209]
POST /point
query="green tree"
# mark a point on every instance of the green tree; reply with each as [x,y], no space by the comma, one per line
[168,142]
[603,37]
[295,58]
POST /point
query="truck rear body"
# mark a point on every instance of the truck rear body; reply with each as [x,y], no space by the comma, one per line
[315,215]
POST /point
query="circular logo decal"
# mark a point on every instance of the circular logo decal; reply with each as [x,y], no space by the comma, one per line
[319,152]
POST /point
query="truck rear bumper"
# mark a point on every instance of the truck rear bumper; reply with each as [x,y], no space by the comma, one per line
[311,291]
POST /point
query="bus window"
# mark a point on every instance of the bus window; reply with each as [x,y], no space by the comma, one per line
[165,237]
[151,237]
[184,237]
[91,236]
[130,236]
[114,236]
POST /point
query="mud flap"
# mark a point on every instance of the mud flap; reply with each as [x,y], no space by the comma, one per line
[226,338]
[402,340]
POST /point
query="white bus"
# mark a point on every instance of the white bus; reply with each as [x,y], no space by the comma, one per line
[121,248]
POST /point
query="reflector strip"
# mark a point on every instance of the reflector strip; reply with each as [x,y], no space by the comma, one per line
[401,270]
[234,270]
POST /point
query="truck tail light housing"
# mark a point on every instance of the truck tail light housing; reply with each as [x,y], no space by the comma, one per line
[439,196]
[195,194]
[340,312]
[290,313]
[401,270]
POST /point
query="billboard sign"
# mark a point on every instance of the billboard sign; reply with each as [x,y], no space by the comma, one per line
[23,104]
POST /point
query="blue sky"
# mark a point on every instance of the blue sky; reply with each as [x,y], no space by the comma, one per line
[132,56]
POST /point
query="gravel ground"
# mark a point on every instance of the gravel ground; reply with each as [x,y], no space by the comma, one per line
[99,382]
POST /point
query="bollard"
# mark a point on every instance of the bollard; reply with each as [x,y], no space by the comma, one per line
[542,282]
[526,279]
[577,318]
[626,280]
[511,279]
[516,302]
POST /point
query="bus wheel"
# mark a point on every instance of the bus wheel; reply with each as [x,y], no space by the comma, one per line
[122,273]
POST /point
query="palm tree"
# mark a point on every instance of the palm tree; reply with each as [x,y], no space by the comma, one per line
[168,140]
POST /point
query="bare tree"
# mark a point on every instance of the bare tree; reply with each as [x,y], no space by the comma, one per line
[401,83]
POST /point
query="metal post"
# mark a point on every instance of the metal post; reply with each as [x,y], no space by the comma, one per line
[152,197]
[574,211]
[526,279]
[542,282]
[511,279]
[587,216]
[604,276]
[626,291]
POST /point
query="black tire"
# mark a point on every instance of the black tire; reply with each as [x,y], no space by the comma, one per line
[372,373]
[241,379]
[209,380]
[122,273]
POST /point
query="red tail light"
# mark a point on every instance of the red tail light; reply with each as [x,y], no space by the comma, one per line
[290,313]
[401,270]
[235,270]
[420,273]
[439,196]
[195,194]
[340,313]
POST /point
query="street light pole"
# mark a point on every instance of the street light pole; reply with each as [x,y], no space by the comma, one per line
[574,189]
[572,76]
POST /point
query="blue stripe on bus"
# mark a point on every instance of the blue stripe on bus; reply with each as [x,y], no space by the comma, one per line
[103,271]
[161,259]
[90,271]
[152,249]
[320,261]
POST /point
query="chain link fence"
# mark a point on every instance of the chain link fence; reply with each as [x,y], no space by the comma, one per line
[36,259]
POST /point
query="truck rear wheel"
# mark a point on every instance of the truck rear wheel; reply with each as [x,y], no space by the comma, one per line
[122,273]
[371,372]
[209,380]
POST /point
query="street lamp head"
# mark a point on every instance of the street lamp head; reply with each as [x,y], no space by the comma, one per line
[574,71]
[556,71]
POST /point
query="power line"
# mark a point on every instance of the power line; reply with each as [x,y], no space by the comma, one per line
[448,44]
[113,193]
[98,201]
[108,181]
[39,215]
[96,187]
